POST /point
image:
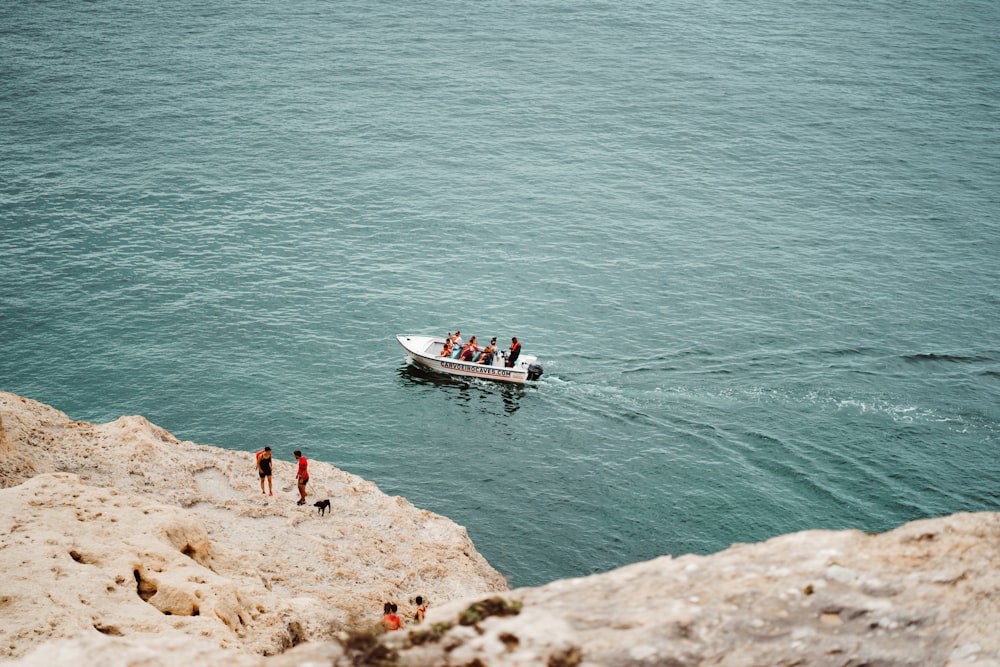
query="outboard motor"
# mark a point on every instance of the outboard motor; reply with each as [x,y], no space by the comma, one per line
[534,371]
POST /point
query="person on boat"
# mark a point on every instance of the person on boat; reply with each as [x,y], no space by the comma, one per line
[446,352]
[489,353]
[456,344]
[514,352]
[469,351]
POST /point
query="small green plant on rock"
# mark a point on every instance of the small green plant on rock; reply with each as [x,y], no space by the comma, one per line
[362,647]
[496,606]
[569,657]
[431,635]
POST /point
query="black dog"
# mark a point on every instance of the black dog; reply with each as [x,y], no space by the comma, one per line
[323,506]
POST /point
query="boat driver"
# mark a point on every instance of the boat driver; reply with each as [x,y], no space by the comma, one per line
[514,353]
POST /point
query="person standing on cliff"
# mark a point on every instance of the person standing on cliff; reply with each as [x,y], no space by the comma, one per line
[302,476]
[264,469]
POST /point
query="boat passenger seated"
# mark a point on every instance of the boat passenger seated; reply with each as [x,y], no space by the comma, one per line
[447,351]
[488,354]
[469,351]
[456,344]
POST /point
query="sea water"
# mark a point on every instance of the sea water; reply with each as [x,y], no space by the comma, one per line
[754,245]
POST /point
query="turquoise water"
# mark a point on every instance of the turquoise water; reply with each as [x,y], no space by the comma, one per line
[755,246]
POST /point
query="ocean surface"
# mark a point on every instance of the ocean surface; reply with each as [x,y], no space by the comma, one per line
[754,244]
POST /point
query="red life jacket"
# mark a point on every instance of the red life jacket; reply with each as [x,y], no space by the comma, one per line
[515,352]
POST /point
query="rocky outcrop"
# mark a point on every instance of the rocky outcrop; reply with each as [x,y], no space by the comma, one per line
[126,547]
[15,465]
[87,558]
[120,530]
[923,594]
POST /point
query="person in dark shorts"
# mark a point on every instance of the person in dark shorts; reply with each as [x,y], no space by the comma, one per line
[514,352]
[264,469]
[302,476]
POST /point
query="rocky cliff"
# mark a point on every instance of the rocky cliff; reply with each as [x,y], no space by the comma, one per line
[120,530]
[122,546]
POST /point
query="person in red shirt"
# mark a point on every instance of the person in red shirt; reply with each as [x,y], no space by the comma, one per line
[302,476]
[389,618]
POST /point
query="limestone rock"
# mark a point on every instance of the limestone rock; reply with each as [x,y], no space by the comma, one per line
[122,546]
[119,529]
[167,648]
[927,593]
[90,558]
[15,465]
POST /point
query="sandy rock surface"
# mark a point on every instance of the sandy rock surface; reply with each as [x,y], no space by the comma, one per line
[927,593]
[119,529]
[122,547]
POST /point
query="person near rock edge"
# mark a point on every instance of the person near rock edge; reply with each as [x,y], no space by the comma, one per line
[514,352]
[264,469]
[389,618]
[421,609]
[302,476]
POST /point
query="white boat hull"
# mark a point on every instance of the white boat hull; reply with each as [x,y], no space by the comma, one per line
[426,351]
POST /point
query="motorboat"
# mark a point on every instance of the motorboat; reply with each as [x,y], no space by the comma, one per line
[426,351]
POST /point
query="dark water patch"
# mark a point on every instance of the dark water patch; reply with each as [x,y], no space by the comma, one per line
[951,358]
[848,352]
